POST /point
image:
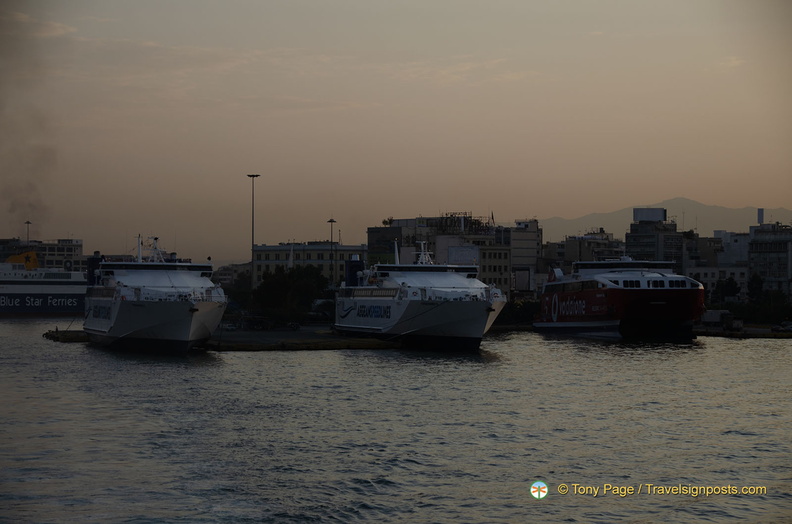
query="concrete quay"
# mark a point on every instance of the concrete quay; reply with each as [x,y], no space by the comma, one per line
[306,338]
[310,337]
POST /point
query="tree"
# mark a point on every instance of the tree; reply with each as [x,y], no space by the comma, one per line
[239,292]
[287,295]
[755,289]
[725,289]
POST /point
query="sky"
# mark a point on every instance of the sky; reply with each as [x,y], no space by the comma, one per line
[120,118]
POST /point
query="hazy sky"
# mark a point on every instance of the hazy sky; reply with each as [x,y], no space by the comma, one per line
[127,117]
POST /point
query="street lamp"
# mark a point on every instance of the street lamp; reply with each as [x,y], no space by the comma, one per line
[332,260]
[252,230]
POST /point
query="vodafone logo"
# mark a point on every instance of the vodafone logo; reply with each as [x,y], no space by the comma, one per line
[554,308]
[567,307]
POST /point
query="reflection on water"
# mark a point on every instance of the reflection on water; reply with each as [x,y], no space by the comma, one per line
[91,434]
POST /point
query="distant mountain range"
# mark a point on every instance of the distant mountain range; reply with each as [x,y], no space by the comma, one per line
[688,214]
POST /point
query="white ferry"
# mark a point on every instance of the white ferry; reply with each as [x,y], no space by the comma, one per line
[28,290]
[422,304]
[159,302]
[622,298]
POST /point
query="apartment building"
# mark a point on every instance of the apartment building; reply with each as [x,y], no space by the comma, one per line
[770,256]
[507,256]
[328,256]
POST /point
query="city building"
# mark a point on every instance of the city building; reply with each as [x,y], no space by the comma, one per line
[770,256]
[63,253]
[595,245]
[507,256]
[328,256]
[653,237]
[227,275]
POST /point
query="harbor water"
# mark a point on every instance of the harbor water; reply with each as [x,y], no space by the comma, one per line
[698,432]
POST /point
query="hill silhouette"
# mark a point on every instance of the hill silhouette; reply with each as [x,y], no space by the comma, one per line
[688,215]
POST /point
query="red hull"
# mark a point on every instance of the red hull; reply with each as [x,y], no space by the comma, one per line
[626,312]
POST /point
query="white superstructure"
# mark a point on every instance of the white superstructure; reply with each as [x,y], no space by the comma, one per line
[437,306]
[154,303]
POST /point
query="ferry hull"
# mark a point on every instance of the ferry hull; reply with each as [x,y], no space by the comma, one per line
[439,325]
[28,290]
[171,327]
[622,313]
[42,303]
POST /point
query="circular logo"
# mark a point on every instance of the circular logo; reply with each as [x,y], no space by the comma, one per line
[539,490]
[555,308]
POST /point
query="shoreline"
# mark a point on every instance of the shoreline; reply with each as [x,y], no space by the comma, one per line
[318,337]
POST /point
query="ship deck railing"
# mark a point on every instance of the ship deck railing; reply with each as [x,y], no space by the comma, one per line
[154,295]
[415,293]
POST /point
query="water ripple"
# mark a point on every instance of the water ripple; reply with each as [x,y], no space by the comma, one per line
[393,436]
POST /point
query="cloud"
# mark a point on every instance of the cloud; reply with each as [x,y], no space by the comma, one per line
[462,70]
[730,62]
[294,104]
[22,25]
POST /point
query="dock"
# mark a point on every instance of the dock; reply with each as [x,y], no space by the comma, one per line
[307,338]
[321,337]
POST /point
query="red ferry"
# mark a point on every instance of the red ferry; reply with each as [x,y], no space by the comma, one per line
[622,298]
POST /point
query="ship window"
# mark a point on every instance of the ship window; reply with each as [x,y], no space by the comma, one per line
[616,282]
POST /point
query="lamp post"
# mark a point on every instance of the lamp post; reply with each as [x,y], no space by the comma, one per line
[252,232]
[332,260]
